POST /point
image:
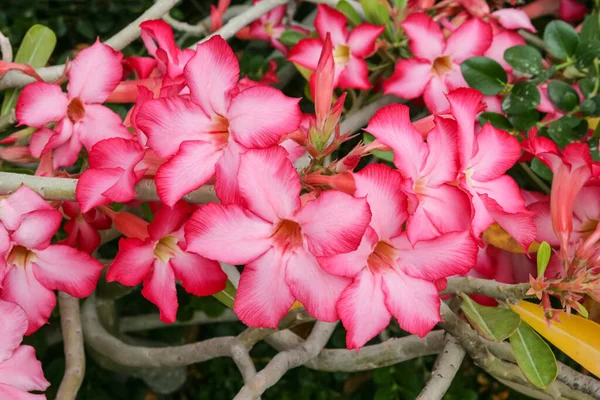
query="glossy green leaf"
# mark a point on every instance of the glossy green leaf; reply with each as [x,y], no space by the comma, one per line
[227,295]
[524,59]
[484,74]
[590,29]
[497,120]
[541,169]
[345,8]
[534,356]
[561,132]
[587,51]
[589,107]
[494,323]
[35,50]
[563,95]
[384,155]
[543,257]
[291,37]
[523,97]
[375,11]
[525,121]
[560,39]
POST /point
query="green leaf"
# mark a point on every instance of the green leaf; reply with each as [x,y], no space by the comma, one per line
[590,30]
[534,356]
[589,107]
[560,39]
[524,59]
[541,169]
[561,132]
[35,50]
[494,323]
[525,121]
[227,295]
[563,95]
[375,11]
[345,8]
[523,97]
[497,120]
[543,257]
[484,74]
[587,51]
[384,155]
[291,37]
[586,85]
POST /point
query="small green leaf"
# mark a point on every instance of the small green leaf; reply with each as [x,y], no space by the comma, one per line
[541,169]
[534,356]
[227,295]
[484,74]
[384,155]
[523,97]
[586,85]
[543,257]
[560,39]
[590,30]
[589,107]
[494,323]
[35,50]
[563,95]
[525,121]
[582,310]
[375,11]
[497,120]
[345,8]
[561,132]
[587,51]
[524,59]
[290,37]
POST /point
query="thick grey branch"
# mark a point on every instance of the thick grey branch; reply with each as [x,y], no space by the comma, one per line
[578,381]
[357,120]
[5,49]
[70,322]
[490,288]
[202,28]
[445,369]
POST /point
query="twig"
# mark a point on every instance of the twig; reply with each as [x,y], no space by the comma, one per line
[5,49]
[489,288]
[287,360]
[354,122]
[202,27]
[152,321]
[541,184]
[531,38]
[16,79]
[578,381]
[445,369]
[70,322]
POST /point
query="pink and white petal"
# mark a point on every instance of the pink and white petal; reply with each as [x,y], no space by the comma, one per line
[5,245]
[434,95]
[259,116]
[227,233]
[21,202]
[497,152]
[133,262]
[520,225]
[426,38]
[355,75]
[382,186]
[67,154]
[502,41]
[447,207]
[307,53]
[95,73]
[198,275]
[465,104]
[391,126]
[226,175]
[64,268]
[352,263]
[449,254]
[158,34]
[81,235]
[454,79]
[183,173]
[14,393]
[20,286]
[334,223]
[317,290]
[362,309]
[263,296]
[333,22]
[514,18]
[543,223]
[159,288]
[23,371]
[481,218]
[442,162]
[503,190]
[41,103]
[211,74]
[414,302]
[472,38]
[116,153]
[37,228]
[100,123]
[409,79]
[169,219]
[12,329]
[92,185]
[39,141]
[362,39]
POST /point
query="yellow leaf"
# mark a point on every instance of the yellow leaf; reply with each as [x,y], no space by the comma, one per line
[593,122]
[296,304]
[577,337]
[305,72]
[498,237]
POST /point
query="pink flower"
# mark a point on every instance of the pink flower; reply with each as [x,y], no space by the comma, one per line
[434,205]
[349,50]
[483,160]
[160,258]
[435,68]
[391,277]
[34,267]
[279,238]
[20,371]
[82,228]
[514,18]
[215,124]
[80,117]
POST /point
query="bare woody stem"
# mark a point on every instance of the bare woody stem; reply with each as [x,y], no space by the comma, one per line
[70,322]
[489,288]
[445,369]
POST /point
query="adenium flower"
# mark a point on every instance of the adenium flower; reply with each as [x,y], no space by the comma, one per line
[34,267]
[349,50]
[278,237]
[435,70]
[82,228]
[81,118]
[20,371]
[215,124]
[391,277]
[156,255]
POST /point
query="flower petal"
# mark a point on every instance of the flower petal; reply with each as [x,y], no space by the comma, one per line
[37,228]
[168,220]
[23,371]
[352,263]
[355,74]
[159,289]
[362,39]
[409,79]
[514,18]
[434,95]
[441,165]
[21,202]
[94,183]
[464,106]
[520,225]
[133,262]
[472,38]
[198,275]
[14,326]
[426,38]
[41,103]
[307,53]
[497,152]
[226,175]
[333,22]
[116,153]
[100,123]
[501,42]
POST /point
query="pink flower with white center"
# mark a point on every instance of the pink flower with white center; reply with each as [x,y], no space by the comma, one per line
[435,68]
[215,124]
[434,205]
[81,118]
[391,277]
[278,238]
[483,160]
[349,49]
[82,228]
[20,371]
[158,257]
[34,267]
